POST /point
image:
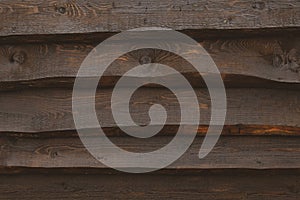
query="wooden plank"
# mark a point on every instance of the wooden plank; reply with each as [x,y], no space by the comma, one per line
[240,61]
[206,185]
[230,81]
[51,109]
[40,17]
[171,130]
[231,152]
[196,34]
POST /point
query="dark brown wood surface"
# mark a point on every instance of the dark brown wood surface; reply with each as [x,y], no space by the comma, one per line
[206,185]
[51,109]
[256,46]
[242,61]
[54,17]
[171,130]
[196,34]
[231,152]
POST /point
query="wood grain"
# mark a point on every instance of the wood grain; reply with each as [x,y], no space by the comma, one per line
[196,34]
[57,17]
[171,130]
[206,185]
[230,81]
[256,46]
[224,184]
[242,61]
[51,109]
[231,152]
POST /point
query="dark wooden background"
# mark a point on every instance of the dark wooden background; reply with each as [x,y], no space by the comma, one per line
[256,46]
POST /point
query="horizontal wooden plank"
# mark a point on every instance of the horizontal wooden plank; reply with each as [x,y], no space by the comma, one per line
[231,152]
[196,34]
[230,81]
[51,109]
[242,61]
[171,130]
[212,185]
[40,17]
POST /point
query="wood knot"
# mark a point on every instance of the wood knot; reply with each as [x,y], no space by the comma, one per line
[145,60]
[287,60]
[62,10]
[227,20]
[258,162]
[18,57]
[259,5]
[53,154]
[13,29]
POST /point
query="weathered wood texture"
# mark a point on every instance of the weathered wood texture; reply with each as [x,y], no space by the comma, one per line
[230,81]
[51,109]
[240,61]
[42,17]
[171,130]
[206,185]
[254,44]
[196,34]
[231,152]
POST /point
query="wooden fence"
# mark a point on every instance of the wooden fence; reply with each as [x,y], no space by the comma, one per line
[256,46]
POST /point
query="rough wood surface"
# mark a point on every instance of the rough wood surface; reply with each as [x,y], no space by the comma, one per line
[196,34]
[254,44]
[54,17]
[230,81]
[231,152]
[171,130]
[51,109]
[202,185]
[241,62]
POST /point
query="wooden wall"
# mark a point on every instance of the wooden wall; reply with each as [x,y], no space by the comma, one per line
[256,47]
